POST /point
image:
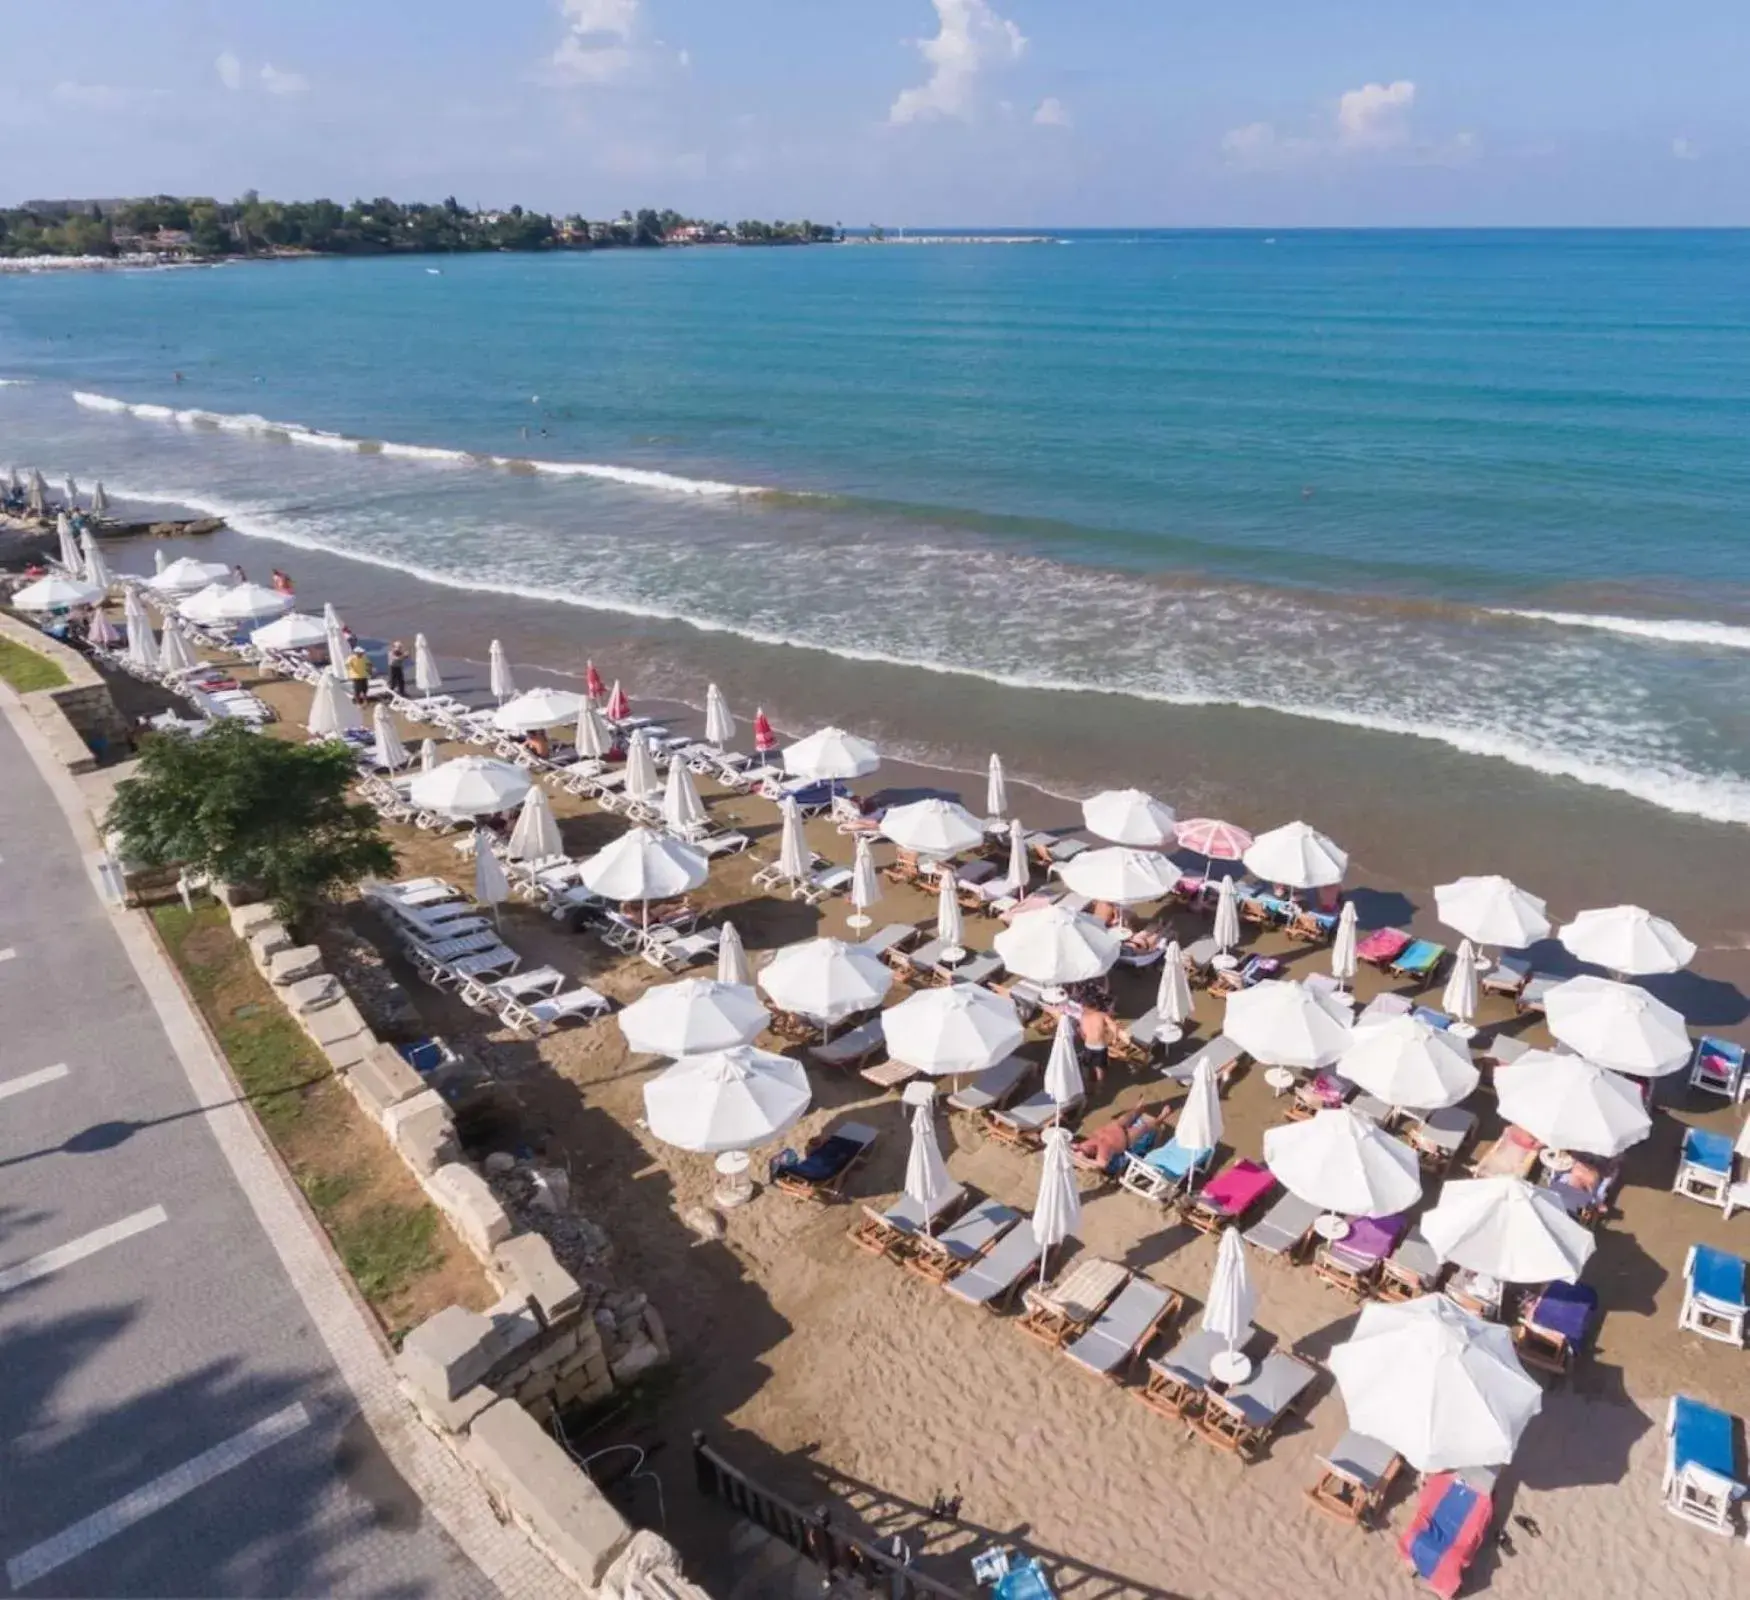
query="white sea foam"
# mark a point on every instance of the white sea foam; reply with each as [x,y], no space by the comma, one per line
[1663,630]
[14,383]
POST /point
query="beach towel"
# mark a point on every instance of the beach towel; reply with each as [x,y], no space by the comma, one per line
[1237,1188]
[1451,1521]
[822,1164]
[1382,945]
[1566,1310]
[1369,1240]
[1420,957]
[1174,1159]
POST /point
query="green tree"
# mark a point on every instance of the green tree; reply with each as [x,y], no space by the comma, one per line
[251,809]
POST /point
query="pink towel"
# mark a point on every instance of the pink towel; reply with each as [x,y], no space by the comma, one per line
[1238,1188]
[1383,944]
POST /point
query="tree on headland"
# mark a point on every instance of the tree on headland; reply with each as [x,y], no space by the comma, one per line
[247,808]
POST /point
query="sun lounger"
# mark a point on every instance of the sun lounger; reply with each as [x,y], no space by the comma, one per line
[895,936]
[1719,1068]
[1178,1381]
[1311,927]
[1163,1173]
[1704,1166]
[1553,1330]
[1411,1270]
[940,1257]
[1199,956]
[445,947]
[1285,1229]
[1228,1196]
[1701,1482]
[1247,1415]
[1125,1328]
[891,1232]
[671,955]
[992,1280]
[1440,1137]
[992,1088]
[1715,1304]
[1508,977]
[1419,960]
[413,892]
[1222,1054]
[1102,1151]
[821,885]
[1451,1521]
[1059,1312]
[819,1173]
[1382,946]
[1024,1123]
[855,1047]
[1358,1475]
[1513,1155]
[498,960]
[1352,1262]
[540,1016]
[1536,991]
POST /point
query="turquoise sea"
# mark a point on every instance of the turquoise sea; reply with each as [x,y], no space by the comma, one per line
[1489,490]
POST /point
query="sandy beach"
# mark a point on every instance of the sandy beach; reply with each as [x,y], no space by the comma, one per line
[835,1376]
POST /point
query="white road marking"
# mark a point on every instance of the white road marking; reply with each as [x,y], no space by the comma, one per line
[87,1534]
[89,1244]
[32,1080]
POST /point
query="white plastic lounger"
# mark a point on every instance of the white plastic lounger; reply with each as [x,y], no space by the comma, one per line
[712,845]
[991,1087]
[991,1281]
[1124,1329]
[538,1016]
[822,885]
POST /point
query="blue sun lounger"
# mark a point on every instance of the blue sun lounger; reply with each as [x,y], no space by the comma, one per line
[1420,959]
[1162,1173]
[1701,1464]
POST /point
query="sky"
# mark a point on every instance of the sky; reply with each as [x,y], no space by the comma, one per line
[1070,113]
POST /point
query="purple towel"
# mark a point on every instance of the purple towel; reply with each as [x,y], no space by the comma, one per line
[1369,1239]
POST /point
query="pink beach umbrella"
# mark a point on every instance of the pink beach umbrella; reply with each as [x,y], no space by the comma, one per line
[619,707]
[764,740]
[593,686]
[1213,839]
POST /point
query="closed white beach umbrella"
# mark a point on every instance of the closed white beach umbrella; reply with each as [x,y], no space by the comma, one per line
[932,827]
[294,631]
[1020,869]
[332,713]
[203,605]
[1297,855]
[72,492]
[1057,1210]
[102,632]
[953,1031]
[1055,946]
[39,492]
[174,654]
[683,812]
[95,568]
[1408,1064]
[1568,1103]
[536,834]
[795,859]
[1344,962]
[428,755]
[386,740]
[1627,939]
[996,790]
[644,865]
[1442,1388]
[732,964]
[1121,874]
[1227,916]
[99,501]
[538,708]
[1173,994]
[1344,1163]
[693,1017]
[186,575]
[469,786]
[726,1100]
[499,677]
[426,677]
[642,782]
[1618,1025]
[719,724]
[826,980]
[927,1183]
[950,925]
[1459,998]
[1128,816]
[1231,1303]
[831,753]
[71,557]
[55,593]
[1285,1024]
[491,887]
[1508,1229]
[1199,1125]
[333,635]
[142,649]
[865,883]
[1063,1067]
[159,561]
[1492,910]
[245,602]
[594,741]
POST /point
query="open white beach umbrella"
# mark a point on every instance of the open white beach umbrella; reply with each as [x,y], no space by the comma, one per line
[726,1100]
[428,755]
[1627,939]
[71,558]
[294,631]
[55,593]
[932,827]
[1128,816]
[426,677]
[927,1182]
[332,713]
[953,1031]
[99,501]
[683,812]
[1231,1303]
[102,632]
[1173,993]
[594,741]
[1297,855]
[1459,998]
[719,724]
[499,677]
[1492,910]
[1344,961]
[950,924]
[1063,1067]
[642,782]
[1199,1125]
[203,605]
[1283,1024]
[491,887]
[1442,1388]
[826,980]
[244,602]
[996,790]
[1508,1229]
[795,859]
[469,786]
[1227,916]
[1020,869]
[1618,1025]
[333,635]
[386,742]
[865,882]
[174,654]
[186,575]
[1121,874]
[536,834]
[1055,946]
[831,753]
[693,1017]
[1057,1210]
[537,708]
[1345,1163]
[732,964]
[95,568]
[1568,1103]
[644,865]
[1408,1064]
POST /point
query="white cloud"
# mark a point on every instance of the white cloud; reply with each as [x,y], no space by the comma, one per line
[277,82]
[970,37]
[1372,123]
[598,43]
[229,69]
[96,96]
[1685,150]
[1377,115]
[1052,113]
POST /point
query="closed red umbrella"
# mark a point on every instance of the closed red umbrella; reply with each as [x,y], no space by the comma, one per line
[592,684]
[619,707]
[763,737]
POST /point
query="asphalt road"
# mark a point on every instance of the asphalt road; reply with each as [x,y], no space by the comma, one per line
[170,1420]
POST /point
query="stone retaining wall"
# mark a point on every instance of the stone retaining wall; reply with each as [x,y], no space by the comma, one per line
[78,719]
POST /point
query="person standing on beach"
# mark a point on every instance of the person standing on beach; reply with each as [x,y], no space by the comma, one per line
[398,669]
[1096,1035]
[358,673]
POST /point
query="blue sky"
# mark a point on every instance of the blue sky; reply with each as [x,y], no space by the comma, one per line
[1075,112]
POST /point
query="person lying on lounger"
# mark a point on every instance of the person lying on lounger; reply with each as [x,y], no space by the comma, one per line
[1104,1145]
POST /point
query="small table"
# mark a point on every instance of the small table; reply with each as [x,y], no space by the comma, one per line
[1280,1079]
[734,1181]
[1558,1160]
[1230,1367]
[1331,1227]
[1465,1031]
[1225,963]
